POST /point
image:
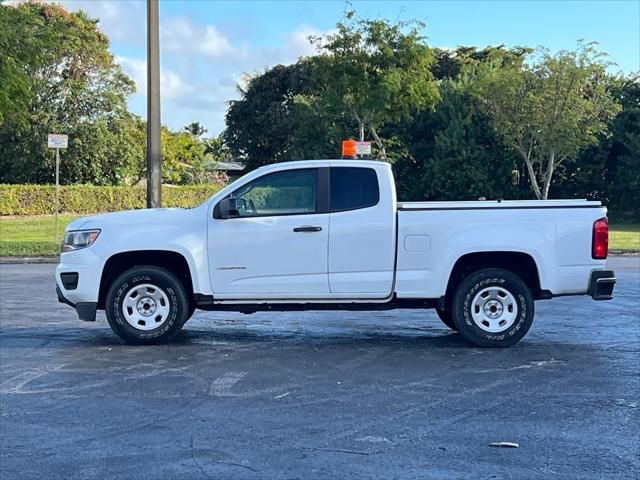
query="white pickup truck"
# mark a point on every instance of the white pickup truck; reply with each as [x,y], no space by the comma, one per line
[330,235]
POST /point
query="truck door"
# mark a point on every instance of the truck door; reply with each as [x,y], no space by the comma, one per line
[362,228]
[276,248]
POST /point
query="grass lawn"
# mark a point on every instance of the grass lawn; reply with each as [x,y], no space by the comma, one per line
[33,236]
[624,236]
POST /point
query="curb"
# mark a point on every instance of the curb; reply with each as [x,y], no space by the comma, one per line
[25,260]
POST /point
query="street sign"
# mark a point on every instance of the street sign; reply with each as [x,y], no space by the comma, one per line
[363,148]
[55,140]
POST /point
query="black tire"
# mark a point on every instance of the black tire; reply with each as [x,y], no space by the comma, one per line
[445,316]
[192,309]
[178,305]
[471,287]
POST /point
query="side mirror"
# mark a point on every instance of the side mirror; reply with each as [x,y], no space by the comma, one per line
[228,208]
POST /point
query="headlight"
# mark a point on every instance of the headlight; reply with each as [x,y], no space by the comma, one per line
[78,239]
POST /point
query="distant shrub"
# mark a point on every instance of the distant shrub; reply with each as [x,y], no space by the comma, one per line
[83,199]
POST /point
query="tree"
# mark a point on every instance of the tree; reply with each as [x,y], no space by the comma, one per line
[267,123]
[453,153]
[217,150]
[195,129]
[106,151]
[373,72]
[450,64]
[610,169]
[183,157]
[68,82]
[550,109]
[16,58]
[622,167]
[370,74]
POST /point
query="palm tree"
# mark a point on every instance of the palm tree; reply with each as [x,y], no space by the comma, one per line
[195,129]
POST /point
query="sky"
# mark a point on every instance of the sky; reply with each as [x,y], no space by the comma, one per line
[207,46]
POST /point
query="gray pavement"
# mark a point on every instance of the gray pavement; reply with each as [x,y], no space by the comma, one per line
[318,395]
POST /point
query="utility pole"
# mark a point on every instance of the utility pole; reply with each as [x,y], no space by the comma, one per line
[154,158]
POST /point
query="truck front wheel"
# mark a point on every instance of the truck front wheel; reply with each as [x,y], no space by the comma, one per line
[147,305]
[445,316]
[492,308]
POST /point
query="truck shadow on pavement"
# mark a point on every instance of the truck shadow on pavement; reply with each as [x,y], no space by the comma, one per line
[64,336]
[442,338]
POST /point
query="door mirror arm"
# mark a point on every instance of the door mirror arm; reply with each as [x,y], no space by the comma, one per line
[228,208]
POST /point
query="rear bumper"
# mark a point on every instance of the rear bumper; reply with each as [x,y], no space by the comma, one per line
[86,310]
[601,284]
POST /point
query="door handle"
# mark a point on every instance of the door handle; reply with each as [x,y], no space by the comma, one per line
[307,228]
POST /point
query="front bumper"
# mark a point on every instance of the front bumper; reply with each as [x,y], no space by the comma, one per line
[86,310]
[78,281]
[601,284]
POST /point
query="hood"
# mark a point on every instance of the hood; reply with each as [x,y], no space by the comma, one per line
[129,217]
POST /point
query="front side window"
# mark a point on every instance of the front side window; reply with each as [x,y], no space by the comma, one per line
[352,188]
[283,193]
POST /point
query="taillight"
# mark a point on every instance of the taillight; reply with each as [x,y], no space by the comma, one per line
[600,243]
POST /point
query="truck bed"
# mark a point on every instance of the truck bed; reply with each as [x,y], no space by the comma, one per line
[492,204]
[556,234]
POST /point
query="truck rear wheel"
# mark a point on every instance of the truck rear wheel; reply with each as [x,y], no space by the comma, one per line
[492,308]
[147,305]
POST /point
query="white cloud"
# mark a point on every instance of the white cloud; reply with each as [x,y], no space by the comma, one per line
[122,20]
[297,43]
[171,85]
[294,45]
[201,63]
[215,64]
[179,35]
[215,44]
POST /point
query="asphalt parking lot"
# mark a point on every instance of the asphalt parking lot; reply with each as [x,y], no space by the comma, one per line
[318,395]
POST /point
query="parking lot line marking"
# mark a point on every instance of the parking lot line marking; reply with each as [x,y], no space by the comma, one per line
[221,387]
[16,383]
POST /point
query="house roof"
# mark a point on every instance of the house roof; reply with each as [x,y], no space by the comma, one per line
[227,166]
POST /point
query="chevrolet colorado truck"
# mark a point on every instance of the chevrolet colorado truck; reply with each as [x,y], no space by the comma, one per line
[329,234]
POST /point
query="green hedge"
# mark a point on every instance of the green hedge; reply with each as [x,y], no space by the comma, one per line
[83,199]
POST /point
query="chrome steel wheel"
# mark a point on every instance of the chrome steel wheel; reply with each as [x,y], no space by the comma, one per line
[145,307]
[494,309]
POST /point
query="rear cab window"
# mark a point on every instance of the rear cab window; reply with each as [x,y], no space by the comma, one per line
[353,188]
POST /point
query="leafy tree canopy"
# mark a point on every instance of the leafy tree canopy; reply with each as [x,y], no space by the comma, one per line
[549,109]
[449,64]
[453,153]
[374,72]
[262,125]
[68,83]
